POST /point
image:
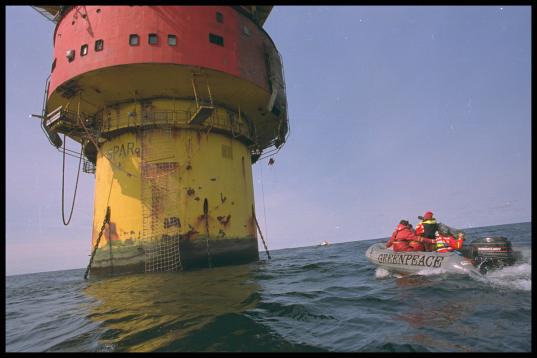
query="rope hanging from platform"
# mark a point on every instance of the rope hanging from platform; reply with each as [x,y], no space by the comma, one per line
[260,233]
[63,185]
[106,221]
[206,216]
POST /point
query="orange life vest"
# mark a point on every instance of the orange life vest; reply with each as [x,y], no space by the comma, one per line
[447,243]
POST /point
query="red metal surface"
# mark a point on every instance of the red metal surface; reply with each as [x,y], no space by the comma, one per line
[241,55]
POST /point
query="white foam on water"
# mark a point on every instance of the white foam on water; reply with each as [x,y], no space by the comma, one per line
[431,272]
[516,277]
[525,254]
[381,273]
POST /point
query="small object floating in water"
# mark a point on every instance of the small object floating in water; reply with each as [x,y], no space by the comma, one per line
[324,243]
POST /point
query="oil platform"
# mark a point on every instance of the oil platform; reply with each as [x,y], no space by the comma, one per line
[171,106]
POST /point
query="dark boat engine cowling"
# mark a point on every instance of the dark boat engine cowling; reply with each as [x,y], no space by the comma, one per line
[490,253]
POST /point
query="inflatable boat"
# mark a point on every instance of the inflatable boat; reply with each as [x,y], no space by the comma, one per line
[480,256]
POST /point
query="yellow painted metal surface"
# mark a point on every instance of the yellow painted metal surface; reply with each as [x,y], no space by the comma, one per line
[173,146]
[187,166]
[176,113]
[113,88]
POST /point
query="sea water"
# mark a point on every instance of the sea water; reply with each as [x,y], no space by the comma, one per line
[318,298]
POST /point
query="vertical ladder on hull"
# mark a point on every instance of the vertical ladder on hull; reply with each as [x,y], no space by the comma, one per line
[159,198]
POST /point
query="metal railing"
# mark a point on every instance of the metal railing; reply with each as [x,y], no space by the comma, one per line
[173,119]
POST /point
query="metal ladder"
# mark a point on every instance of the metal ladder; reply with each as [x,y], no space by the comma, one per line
[159,191]
[204,108]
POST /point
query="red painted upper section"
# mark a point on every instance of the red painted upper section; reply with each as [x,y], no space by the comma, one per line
[242,54]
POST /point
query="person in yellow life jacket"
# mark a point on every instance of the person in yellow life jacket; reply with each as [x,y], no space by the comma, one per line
[445,242]
[426,228]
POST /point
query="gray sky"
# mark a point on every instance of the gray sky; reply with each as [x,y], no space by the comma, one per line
[394,111]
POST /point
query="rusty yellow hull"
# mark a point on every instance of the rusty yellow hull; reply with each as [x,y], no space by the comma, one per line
[170,115]
[179,197]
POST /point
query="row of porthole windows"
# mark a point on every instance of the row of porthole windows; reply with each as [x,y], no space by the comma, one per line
[152,39]
[134,40]
[99,46]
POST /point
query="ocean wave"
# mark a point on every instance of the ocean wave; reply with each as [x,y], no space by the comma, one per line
[300,301]
[517,277]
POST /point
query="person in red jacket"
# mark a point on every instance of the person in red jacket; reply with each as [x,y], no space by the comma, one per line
[445,242]
[404,238]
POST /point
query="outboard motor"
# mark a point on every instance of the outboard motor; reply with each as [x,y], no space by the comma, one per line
[490,253]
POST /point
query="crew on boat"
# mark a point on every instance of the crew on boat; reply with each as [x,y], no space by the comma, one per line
[426,228]
[405,239]
[446,242]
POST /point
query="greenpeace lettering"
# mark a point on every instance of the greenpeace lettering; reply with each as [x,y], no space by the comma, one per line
[411,260]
